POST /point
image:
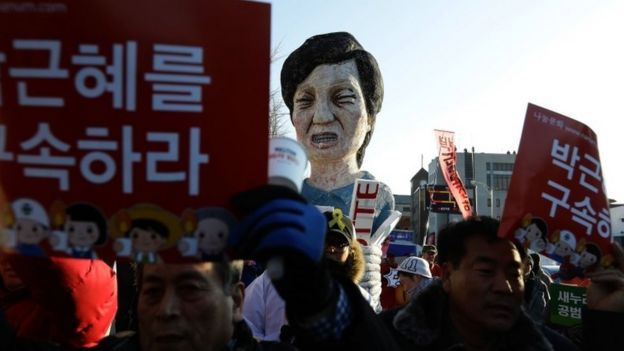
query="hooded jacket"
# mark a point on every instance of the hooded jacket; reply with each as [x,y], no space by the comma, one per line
[67,301]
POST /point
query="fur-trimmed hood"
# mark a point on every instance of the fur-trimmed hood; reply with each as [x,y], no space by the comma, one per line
[353,268]
[425,323]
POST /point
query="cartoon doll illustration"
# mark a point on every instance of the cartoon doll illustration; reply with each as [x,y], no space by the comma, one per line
[148,236]
[144,230]
[210,230]
[29,223]
[590,257]
[85,227]
[563,246]
[533,234]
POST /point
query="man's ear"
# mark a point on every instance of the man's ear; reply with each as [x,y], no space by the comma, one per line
[238,296]
[447,271]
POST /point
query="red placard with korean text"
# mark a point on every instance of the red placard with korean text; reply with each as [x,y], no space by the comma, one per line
[125,126]
[557,204]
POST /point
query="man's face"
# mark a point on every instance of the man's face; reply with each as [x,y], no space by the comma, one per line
[486,290]
[184,307]
[429,256]
[409,282]
[146,240]
[10,279]
[211,234]
[81,233]
[329,112]
[29,232]
[336,247]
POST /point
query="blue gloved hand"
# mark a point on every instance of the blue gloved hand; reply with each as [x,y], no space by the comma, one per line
[288,229]
[280,226]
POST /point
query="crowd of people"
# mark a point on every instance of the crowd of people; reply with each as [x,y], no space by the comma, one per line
[472,291]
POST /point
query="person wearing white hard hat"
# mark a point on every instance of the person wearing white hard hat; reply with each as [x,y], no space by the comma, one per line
[414,276]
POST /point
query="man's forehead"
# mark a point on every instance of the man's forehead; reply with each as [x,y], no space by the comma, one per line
[497,249]
[173,272]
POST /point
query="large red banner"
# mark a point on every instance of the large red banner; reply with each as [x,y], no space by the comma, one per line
[557,204]
[447,158]
[125,126]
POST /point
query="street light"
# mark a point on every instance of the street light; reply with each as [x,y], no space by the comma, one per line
[476,184]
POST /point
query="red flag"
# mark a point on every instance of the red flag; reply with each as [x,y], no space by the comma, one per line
[448,160]
[557,204]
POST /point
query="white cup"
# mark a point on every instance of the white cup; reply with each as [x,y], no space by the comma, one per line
[8,238]
[58,240]
[287,163]
[188,246]
[123,247]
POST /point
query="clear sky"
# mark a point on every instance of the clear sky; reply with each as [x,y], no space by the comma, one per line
[471,67]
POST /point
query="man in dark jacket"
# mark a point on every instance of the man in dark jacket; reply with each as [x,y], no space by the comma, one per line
[477,303]
[475,306]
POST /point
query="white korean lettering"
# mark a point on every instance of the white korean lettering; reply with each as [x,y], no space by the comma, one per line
[129,157]
[53,71]
[562,157]
[557,201]
[172,155]
[584,214]
[178,78]
[593,172]
[604,223]
[97,155]
[95,69]
[4,155]
[41,137]
[196,158]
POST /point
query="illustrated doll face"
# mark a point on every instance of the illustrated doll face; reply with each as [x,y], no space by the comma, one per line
[211,234]
[146,240]
[81,233]
[587,259]
[533,232]
[29,231]
[562,249]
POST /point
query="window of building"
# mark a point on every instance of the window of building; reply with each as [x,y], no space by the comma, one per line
[499,166]
[497,202]
[487,166]
[489,202]
[501,181]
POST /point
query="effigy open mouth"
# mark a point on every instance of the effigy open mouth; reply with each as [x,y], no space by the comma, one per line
[326,138]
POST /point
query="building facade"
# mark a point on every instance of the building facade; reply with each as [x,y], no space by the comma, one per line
[486,177]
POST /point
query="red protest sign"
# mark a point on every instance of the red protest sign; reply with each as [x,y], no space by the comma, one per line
[447,157]
[362,210]
[557,204]
[131,124]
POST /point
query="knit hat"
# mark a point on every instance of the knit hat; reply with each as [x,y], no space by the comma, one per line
[430,248]
[340,224]
[415,265]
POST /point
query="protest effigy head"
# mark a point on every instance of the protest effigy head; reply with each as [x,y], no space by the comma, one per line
[334,48]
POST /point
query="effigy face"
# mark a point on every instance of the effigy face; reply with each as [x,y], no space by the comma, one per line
[330,112]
